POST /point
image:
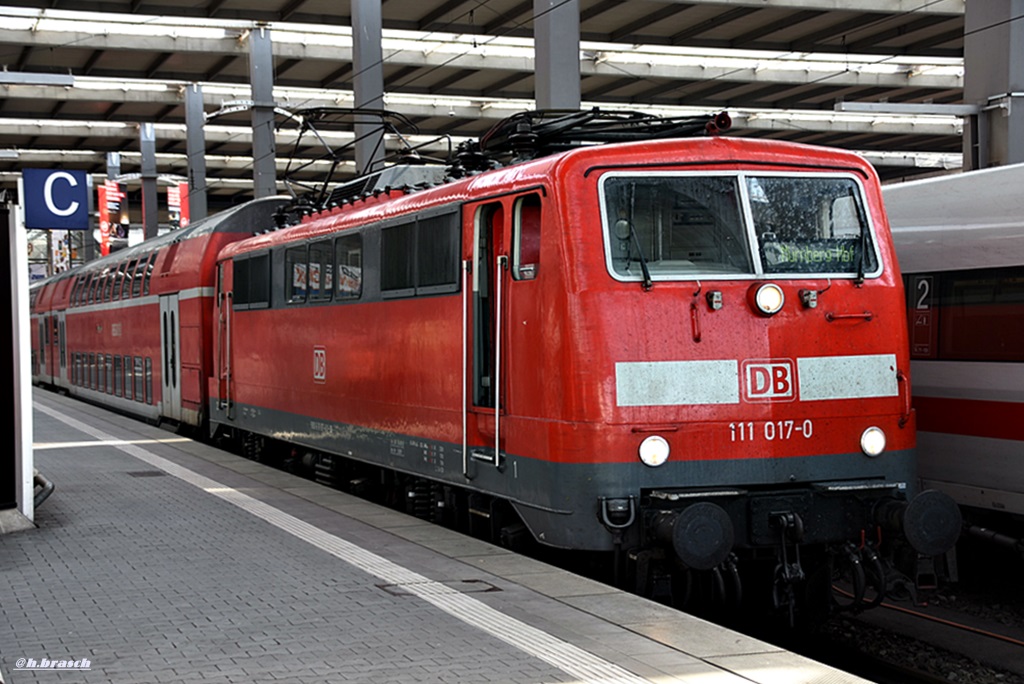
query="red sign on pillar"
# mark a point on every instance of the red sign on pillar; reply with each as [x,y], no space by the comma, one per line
[177,205]
[183,195]
[101,202]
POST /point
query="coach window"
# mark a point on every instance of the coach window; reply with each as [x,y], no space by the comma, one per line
[93,286]
[149,273]
[350,266]
[119,280]
[110,374]
[140,272]
[128,377]
[126,290]
[526,237]
[149,380]
[437,255]
[110,292]
[296,271]
[108,283]
[97,288]
[321,271]
[118,377]
[86,289]
[398,264]
[139,380]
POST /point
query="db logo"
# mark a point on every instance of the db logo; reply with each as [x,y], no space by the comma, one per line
[771,380]
[319,365]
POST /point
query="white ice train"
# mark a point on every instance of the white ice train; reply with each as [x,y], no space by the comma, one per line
[960,244]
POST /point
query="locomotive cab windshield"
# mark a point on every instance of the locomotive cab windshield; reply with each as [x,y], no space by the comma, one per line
[684,225]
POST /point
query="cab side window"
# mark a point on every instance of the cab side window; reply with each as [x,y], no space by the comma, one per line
[526,225]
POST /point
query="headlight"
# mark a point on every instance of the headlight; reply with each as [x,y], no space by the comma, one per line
[769,299]
[872,441]
[654,451]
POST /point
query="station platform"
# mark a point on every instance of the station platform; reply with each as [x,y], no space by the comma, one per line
[162,559]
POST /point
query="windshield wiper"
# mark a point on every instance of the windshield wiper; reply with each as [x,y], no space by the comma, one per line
[647,283]
[863,247]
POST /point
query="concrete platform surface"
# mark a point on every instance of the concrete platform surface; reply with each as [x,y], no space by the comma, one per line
[160,559]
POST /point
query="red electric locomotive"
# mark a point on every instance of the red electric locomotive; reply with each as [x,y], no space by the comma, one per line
[692,352]
[132,330]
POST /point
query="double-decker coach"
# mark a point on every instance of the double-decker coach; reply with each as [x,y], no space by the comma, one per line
[130,330]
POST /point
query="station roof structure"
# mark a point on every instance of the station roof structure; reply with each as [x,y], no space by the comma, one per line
[79,77]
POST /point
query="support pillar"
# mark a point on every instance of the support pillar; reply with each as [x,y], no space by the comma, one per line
[113,165]
[195,141]
[17,505]
[994,80]
[368,82]
[150,199]
[261,78]
[556,39]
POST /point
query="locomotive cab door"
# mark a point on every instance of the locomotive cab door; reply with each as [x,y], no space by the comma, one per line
[60,350]
[504,249]
[44,348]
[50,349]
[222,360]
[170,368]
[483,353]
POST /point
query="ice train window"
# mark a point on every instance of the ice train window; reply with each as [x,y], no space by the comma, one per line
[811,225]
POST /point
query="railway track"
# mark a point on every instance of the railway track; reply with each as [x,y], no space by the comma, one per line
[968,640]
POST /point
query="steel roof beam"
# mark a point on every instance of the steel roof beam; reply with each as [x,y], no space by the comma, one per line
[508,55]
[635,64]
[811,120]
[880,6]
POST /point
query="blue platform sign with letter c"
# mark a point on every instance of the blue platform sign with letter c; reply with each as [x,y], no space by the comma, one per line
[56,199]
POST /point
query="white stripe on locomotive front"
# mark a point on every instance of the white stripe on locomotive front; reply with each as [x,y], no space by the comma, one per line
[678,383]
[674,383]
[847,377]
